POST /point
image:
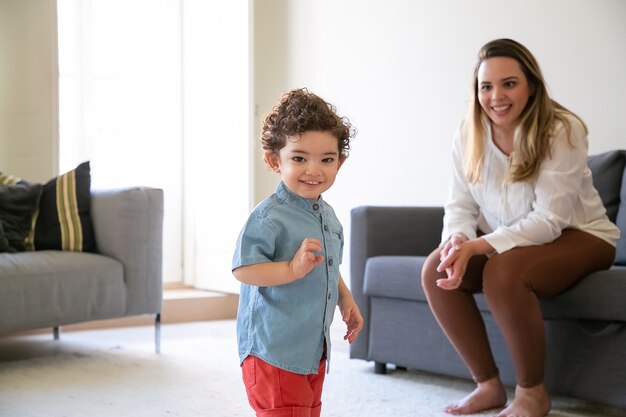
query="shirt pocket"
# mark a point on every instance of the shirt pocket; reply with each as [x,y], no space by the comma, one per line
[519,201]
[333,236]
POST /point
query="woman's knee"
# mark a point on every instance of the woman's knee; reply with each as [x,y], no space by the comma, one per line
[430,275]
[503,276]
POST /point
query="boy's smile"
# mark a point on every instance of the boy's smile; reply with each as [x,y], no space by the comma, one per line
[307,164]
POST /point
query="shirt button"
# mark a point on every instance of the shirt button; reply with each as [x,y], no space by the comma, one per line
[330,262]
[326,227]
[316,206]
[329,296]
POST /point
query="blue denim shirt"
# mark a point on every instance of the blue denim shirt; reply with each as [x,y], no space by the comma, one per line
[287,325]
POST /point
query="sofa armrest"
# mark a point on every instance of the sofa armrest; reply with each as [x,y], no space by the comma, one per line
[128,224]
[380,231]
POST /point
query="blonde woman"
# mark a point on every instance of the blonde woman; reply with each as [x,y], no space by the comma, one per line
[523,222]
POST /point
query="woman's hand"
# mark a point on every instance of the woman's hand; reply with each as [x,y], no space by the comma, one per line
[455,256]
[454,243]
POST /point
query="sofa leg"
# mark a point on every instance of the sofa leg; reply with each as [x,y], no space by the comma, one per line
[56,332]
[157,333]
[380,368]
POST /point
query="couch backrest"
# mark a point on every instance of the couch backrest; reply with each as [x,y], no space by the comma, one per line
[609,178]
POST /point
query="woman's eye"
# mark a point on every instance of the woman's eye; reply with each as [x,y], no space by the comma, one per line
[509,84]
[485,88]
[328,160]
[298,159]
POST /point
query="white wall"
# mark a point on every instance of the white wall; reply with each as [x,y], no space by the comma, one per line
[28,89]
[401,71]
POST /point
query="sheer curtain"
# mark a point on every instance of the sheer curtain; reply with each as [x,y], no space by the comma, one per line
[139,98]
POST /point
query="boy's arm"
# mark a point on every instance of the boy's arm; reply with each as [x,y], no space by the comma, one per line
[350,312]
[269,274]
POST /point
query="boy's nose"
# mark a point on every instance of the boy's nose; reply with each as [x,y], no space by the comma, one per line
[312,169]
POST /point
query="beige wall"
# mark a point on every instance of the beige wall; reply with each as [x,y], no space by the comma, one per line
[400,70]
[28,89]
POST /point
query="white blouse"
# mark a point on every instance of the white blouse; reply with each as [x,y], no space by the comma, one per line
[527,213]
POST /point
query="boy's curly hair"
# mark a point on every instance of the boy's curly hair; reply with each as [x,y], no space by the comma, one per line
[300,111]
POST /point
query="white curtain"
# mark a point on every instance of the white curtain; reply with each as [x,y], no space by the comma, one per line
[217,137]
[145,95]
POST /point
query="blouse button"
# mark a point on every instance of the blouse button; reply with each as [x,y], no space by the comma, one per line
[316,206]
[326,227]
[330,262]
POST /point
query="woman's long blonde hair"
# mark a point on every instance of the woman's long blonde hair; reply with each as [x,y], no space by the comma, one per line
[537,121]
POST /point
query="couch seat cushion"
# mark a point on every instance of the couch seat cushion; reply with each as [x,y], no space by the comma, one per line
[599,296]
[39,288]
[394,277]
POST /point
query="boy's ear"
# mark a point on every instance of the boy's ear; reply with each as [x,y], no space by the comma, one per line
[272,160]
[342,159]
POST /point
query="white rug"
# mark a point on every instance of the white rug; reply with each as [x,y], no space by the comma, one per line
[115,373]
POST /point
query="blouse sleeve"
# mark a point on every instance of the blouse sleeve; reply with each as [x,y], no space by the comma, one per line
[461,210]
[556,190]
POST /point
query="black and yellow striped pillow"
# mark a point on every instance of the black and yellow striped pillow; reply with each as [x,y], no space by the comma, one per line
[18,201]
[63,221]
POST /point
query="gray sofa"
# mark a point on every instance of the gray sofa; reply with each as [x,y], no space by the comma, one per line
[585,325]
[53,288]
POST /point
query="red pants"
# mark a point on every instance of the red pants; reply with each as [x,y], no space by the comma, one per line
[274,392]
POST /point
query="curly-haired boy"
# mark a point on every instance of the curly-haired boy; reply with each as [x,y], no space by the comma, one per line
[287,259]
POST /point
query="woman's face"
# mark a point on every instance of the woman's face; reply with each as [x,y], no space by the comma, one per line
[503,91]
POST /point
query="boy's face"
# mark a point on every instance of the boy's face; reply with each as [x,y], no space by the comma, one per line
[308,165]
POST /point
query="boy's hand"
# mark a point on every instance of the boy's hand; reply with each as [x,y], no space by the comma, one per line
[351,315]
[305,259]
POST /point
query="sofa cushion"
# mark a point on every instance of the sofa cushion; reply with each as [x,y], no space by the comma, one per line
[64,218]
[18,202]
[394,277]
[598,296]
[4,242]
[39,288]
[607,169]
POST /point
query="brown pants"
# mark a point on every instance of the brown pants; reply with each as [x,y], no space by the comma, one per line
[512,283]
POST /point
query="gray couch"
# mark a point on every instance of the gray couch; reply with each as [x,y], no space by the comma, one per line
[54,288]
[585,325]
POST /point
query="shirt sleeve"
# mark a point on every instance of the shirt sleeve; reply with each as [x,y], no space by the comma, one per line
[556,190]
[256,243]
[461,210]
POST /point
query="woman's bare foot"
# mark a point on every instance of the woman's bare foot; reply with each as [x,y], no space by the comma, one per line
[488,394]
[528,402]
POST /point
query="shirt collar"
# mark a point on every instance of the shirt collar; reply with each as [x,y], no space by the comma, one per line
[284,193]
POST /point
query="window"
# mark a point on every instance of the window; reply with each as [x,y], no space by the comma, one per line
[156,93]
